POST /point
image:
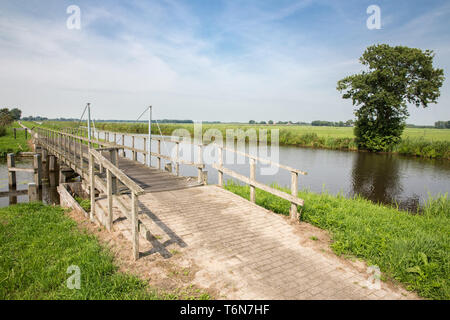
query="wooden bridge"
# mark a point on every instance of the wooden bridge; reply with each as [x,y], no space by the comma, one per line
[242,250]
[122,182]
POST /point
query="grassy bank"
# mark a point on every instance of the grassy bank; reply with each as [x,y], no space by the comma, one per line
[429,143]
[410,248]
[10,145]
[37,245]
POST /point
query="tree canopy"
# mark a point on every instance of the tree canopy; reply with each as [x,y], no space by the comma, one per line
[394,77]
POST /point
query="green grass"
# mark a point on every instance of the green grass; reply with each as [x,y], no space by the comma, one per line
[10,145]
[411,248]
[430,143]
[37,245]
[84,203]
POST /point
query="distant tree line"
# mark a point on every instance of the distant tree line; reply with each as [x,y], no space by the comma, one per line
[320,123]
[347,123]
[442,124]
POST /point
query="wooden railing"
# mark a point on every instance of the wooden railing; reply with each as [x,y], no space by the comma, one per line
[81,134]
[68,147]
[253,160]
[119,140]
[293,198]
[113,175]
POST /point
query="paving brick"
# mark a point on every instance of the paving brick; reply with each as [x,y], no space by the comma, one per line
[251,242]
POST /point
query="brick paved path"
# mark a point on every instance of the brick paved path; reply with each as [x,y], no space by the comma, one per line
[244,251]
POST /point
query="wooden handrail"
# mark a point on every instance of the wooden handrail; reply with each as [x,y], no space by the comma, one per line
[282,166]
[133,186]
[259,185]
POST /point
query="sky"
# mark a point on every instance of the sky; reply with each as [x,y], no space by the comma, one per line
[206,59]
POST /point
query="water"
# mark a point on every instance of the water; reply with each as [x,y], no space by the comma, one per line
[48,193]
[385,178]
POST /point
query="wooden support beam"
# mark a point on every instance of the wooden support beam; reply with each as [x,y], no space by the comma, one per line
[33,192]
[51,163]
[44,155]
[37,165]
[12,183]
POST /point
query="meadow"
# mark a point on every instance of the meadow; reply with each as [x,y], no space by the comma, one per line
[38,243]
[429,142]
[10,145]
[410,248]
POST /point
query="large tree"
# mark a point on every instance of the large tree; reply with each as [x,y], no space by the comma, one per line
[5,117]
[394,77]
[16,113]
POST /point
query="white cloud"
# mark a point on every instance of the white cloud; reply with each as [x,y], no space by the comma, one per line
[154,54]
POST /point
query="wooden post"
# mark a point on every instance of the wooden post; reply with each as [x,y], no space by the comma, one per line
[81,155]
[74,143]
[133,152]
[220,160]
[92,187]
[109,193]
[51,163]
[62,176]
[123,144]
[44,155]
[145,149]
[177,163]
[12,183]
[26,133]
[14,129]
[115,138]
[33,194]
[135,225]
[37,164]
[294,191]
[158,162]
[114,156]
[200,161]
[252,178]
[205,177]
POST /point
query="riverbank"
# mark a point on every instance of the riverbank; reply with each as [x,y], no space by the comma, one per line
[38,243]
[427,143]
[10,145]
[413,249]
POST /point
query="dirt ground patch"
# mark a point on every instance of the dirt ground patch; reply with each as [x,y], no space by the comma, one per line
[172,277]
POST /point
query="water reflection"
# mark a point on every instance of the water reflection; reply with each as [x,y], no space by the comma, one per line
[48,193]
[376,178]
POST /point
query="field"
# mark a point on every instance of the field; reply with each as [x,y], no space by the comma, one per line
[429,143]
[37,245]
[10,145]
[410,248]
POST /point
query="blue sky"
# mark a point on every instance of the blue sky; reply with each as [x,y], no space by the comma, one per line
[205,60]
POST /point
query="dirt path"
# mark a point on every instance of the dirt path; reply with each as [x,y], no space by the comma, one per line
[207,239]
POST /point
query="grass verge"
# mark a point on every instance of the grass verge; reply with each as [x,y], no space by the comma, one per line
[37,245]
[411,248]
[10,145]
